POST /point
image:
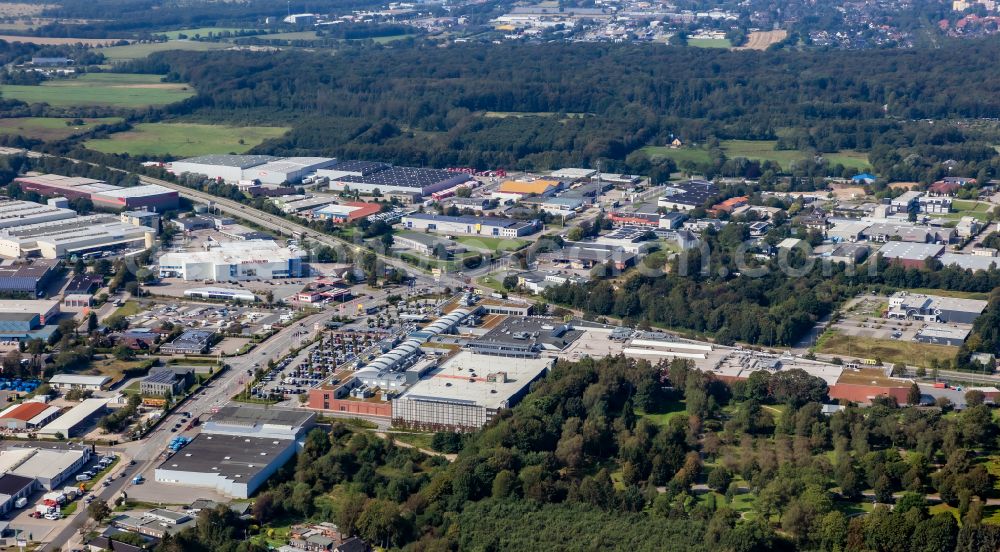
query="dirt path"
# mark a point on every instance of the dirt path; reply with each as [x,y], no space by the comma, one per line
[448,457]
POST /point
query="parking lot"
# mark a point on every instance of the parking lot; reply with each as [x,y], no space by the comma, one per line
[864,319]
[249,320]
[293,376]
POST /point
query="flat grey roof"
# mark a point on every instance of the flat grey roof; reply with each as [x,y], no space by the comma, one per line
[910,251]
[255,415]
[240,161]
[237,458]
[403,176]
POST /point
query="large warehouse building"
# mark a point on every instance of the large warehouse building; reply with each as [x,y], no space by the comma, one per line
[470,226]
[222,167]
[234,261]
[76,418]
[367,177]
[466,392]
[76,236]
[150,196]
[238,449]
[49,464]
[19,213]
[28,415]
[287,170]
[28,277]
[268,170]
[45,310]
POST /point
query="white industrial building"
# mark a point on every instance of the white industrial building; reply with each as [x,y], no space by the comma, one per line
[46,309]
[268,170]
[67,424]
[238,449]
[470,226]
[78,235]
[20,213]
[224,294]
[467,391]
[49,464]
[234,261]
[287,170]
[223,167]
[65,382]
[50,467]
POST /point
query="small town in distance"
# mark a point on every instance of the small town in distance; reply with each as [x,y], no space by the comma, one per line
[165,348]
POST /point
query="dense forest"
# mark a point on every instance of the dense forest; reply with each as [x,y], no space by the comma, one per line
[451,106]
[591,461]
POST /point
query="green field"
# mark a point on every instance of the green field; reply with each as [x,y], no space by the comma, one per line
[50,128]
[139,51]
[756,150]
[185,139]
[888,351]
[965,208]
[709,43]
[111,89]
[670,411]
[202,32]
[679,155]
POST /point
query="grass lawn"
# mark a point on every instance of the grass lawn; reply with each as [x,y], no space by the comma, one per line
[763,150]
[671,410]
[140,51]
[113,89]
[942,507]
[419,440]
[491,282]
[112,367]
[851,509]
[710,43]
[889,351]
[492,244]
[965,208]
[130,308]
[694,155]
[184,139]
[757,150]
[981,296]
[50,128]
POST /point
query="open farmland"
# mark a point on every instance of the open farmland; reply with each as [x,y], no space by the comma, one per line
[184,139]
[760,40]
[50,128]
[109,89]
[144,49]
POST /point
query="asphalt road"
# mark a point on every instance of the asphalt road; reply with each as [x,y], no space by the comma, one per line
[147,452]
